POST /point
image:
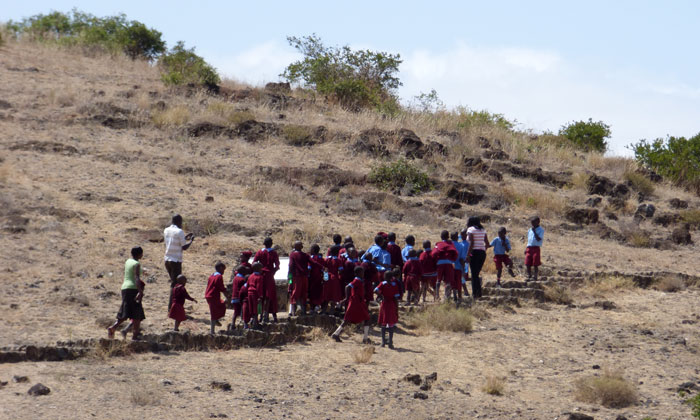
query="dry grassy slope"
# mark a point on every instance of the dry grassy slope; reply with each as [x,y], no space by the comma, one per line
[77,192]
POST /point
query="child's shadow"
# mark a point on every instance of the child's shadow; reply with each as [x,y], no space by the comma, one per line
[403,350]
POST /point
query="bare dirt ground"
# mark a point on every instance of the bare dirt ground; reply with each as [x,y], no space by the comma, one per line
[77,192]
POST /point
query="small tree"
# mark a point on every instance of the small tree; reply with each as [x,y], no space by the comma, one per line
[182,66]
[587,135]
[677,158]
[356,79]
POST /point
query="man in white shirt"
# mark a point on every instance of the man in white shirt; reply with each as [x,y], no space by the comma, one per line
[175,243]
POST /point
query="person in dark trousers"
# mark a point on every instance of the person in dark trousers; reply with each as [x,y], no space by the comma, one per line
[476,255]
[175,242]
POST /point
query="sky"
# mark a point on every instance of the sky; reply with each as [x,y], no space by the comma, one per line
[631,64]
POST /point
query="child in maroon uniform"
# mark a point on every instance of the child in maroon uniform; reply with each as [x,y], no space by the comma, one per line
[254,285]
[299,270]
[244,258]
[238,281]
[177,309]
[429,267]
[246,315]
[357,309]
[337,240]
[270,260]
[446,254]
[412,275]
[332,291]
[215,287]
[347,270]
[389,293]
[316,266]
[371,277]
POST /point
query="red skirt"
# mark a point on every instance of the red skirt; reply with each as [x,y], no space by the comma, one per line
[177,312]
[217,308]
[300,291]
[429,280]
[412,283]
[445,274]
[357,312]
[388,313]
[270,292]
[315,290]
[331,289]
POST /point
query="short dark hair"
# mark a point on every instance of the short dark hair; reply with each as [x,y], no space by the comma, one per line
[176,220]
[391,237]
[411,240]
[426,244]
[267,241]
[378,239]
[334,250]
[337,239]
[219,265]
[315,248]
[454,236]
[474,221]
[359,271]
[412,253]
[256,266]
[502,229]
[444,235]
[136,252]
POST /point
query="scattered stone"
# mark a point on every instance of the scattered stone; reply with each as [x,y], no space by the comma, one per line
[620,417]
[4,104]
[579,416]
[595,367]
[420,395]
[594,201]
[166,382]
[687,387]
[666,219]
[680,341]
[606,305]
[677,203]
[224,386]
[496,154]
[209,199]
[582,216]
[39,389]
[611,216]
[647,332]
[681,235]
[484,142]
[599,185]
[19,379]
[644,211]
[415,378]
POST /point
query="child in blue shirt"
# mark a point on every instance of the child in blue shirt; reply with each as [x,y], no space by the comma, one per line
[501,247]
[534,242]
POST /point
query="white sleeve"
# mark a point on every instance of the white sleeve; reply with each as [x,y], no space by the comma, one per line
[181,237]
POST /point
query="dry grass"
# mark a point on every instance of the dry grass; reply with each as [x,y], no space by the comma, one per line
[579,181]
[316,334]
[610,389]
[691,217]
[494,385]
[144,397]
[444,317]
[272,192]
[535,199]
[639,182]
[604,286]
[363,355]
[639,239]
[172,117]
[297,135]
[670,284]
[111,348]
[228,112]
[558,294]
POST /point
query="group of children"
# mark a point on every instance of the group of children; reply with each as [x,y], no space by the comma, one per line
[346,279]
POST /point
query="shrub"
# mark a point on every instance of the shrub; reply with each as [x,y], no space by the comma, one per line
[692,217]
[355,79]
[171,117]
[557,294]
[182,66]
[229,112]
[670,284]
[398,175]
[364,355]
[469,119]
[111,33]
[695,405]
[676,158]
[610,389]
[494,385]
[587,135]
[443,317]
[428,102]
[605,285]
[297,135]
[639,182]
[639,239]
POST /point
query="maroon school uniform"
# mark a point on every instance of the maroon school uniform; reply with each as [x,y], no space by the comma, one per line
[316,266]
[446,254]
[238,282]
[299,269]
[332,291]
[371,279]
[246,313]
[389,309]
[347,272]
[271,262]
[357,308]
[429,266]
[395,252]
[177,309]
[412,274]
[255,283]
[215,287]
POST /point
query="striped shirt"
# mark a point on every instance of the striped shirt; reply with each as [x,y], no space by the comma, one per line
[478,237]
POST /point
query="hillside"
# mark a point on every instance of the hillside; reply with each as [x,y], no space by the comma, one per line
[97,155]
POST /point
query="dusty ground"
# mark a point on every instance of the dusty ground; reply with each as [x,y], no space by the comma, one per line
[539,352]
[76,195]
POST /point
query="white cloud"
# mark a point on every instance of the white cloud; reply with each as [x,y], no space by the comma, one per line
[257,65]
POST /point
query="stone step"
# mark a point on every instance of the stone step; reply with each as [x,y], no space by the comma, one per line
[523,293]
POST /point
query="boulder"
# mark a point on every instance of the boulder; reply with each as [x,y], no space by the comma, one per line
[599,185]
[677,203]
[39,389]
[582,216]
[594,201]
[496,154]
[644,211]
[681,235]
[281,87]
[666,219]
